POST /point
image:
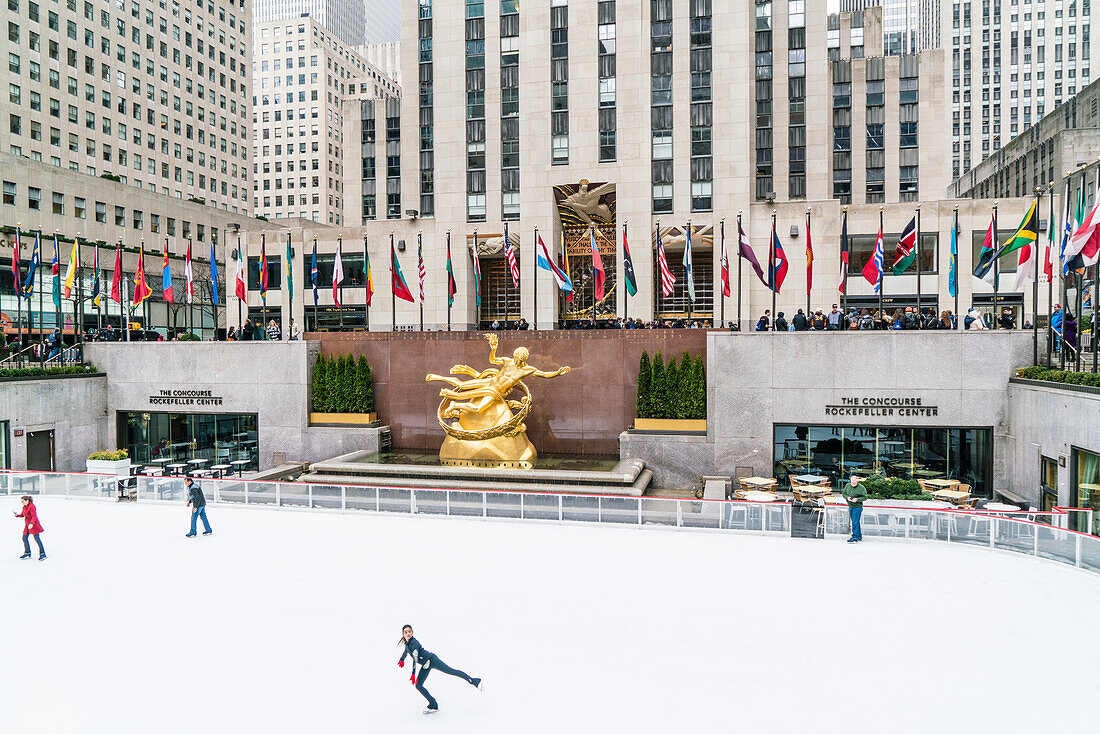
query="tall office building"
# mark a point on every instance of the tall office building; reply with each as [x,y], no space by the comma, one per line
[344,18]
[1011,63]
[301,72]
[383,21]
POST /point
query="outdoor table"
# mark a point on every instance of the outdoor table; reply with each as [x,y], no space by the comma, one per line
[154,471]
[758,496]
[197,462]
[1000,507]
[239,463]
[835,499]
[796,462]
[201,473]
[811,478]
[852,463]
[159,461]
[928,473]
[221,469]
[757,481]
[910,465]
[951,495]
[942,483]
[175,467]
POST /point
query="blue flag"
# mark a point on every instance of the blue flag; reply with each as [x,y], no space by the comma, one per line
[687,264]
[28,284]
[313,273]
[213,276]
[953,272]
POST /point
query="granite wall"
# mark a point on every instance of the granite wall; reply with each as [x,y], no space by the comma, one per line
[73,407]
[582,412]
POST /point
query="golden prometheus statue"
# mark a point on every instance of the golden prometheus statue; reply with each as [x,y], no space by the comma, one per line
[484,427]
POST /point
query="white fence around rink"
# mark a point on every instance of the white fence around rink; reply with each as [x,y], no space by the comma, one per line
[1039,534]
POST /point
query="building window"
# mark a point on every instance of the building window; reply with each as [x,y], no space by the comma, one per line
[9,192]
[34,197]
[1085,490]
[605,62]
[58,203]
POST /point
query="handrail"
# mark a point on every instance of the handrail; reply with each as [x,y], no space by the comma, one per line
[13,355]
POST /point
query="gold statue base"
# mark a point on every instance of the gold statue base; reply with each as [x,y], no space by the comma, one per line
[503,452]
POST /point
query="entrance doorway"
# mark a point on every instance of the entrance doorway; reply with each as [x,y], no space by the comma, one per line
[40,451]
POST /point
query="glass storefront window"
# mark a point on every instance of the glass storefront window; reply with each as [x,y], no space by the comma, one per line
[965,454]
[1048,487]
[5,446]
[221,438]
[1086,490]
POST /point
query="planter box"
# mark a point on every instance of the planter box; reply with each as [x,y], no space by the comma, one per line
[670,424]
[119,468]
[342,419]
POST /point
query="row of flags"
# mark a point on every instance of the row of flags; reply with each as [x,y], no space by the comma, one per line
[64,289]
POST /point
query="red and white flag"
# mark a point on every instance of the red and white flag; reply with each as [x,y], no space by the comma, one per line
[725,265]
[187,273]
[420,263]
[667,278]
[510,255]
[240,287]
[337,278]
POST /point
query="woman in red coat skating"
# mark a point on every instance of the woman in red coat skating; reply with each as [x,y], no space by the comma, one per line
[31,526]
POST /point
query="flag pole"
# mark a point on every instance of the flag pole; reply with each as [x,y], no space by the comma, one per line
[98,310]
[393,293]
[340,285]
[771,268]
[955,224]
[626,293]
[809,265]
[722,294]
[477,287]
[661,290]
[263,296]
[450,275]
[535,283]
[916,249]
[881,275]
[419,255]
[687,238]
[78,281]
[240,321]
[844,295]
[18,288]
[739,259]
[41,313]
[1050,280]
[366,274]
[1035,282]
[996,267]
[508,284]
[60,322]
[1065,274]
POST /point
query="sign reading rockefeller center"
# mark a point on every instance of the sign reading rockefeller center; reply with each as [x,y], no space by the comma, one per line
[882,407]
[185,397]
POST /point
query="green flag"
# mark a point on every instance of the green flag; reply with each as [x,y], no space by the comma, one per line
[1026,234]
[289,272]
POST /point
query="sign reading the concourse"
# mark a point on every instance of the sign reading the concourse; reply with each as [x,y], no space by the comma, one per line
[882,407]
[185,397]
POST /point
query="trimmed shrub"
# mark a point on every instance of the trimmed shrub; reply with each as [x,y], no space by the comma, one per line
[643,405]
[880,487]
[117,455]
[1090,379]
[657,387]
[71,369]
[332,386]
[670,404]
[320,384]
[699,402]
[368,399]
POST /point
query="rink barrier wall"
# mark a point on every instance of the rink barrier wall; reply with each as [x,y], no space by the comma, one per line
[1017,532]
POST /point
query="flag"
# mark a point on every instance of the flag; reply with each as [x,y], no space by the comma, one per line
[263,269]
[845,250]
[809,257]
[546,263]
[725,263]
[1048,263]
[452,286]
[628,268]
[563,262]
[477,272]
[367,271]
[96,277]
[213,277]
[744,249]
[778,267]
[28,284]
[987,256]
[240,287]
[1025,267]
[667,278]
[141,288]
[905,254]
[189,275]
[55,274]
[70,271]
[116,277]
[166,276]
[510,255]
[872,271]
[1084,246]
[337,277]
[15,274]
[289,274]
[422,270]
[397,280]
[687,264]
[953,262]
[1026,234]
[313,272]
[597,267]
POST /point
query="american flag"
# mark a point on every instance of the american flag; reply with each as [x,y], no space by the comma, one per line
[510,253]
[667,278]
[420,262]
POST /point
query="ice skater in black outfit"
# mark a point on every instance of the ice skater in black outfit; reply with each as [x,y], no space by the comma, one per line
[427,662]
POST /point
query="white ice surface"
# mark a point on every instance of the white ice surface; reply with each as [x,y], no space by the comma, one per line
[287,621]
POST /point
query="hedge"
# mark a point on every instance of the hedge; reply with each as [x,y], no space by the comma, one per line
[71,369]
[1091,379]
[342,385]
[677,389]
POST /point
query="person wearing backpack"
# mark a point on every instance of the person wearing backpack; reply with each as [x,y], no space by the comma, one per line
[866,323]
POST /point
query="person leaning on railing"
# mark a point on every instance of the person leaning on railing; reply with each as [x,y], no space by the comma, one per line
[855,493]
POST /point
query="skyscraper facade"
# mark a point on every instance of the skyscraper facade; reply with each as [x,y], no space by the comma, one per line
[344,18]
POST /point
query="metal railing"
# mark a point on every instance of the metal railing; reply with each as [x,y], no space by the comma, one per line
[1039,534]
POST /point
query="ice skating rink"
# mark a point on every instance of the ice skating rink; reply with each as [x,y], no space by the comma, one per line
[287,621]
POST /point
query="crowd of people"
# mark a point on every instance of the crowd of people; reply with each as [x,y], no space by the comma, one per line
[909,318]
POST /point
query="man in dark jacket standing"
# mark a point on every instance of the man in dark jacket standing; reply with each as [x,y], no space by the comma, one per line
[196,500]
[801,323]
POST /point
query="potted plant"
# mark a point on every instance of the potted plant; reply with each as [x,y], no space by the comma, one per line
[342,392]
[110,462]
[672,396]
